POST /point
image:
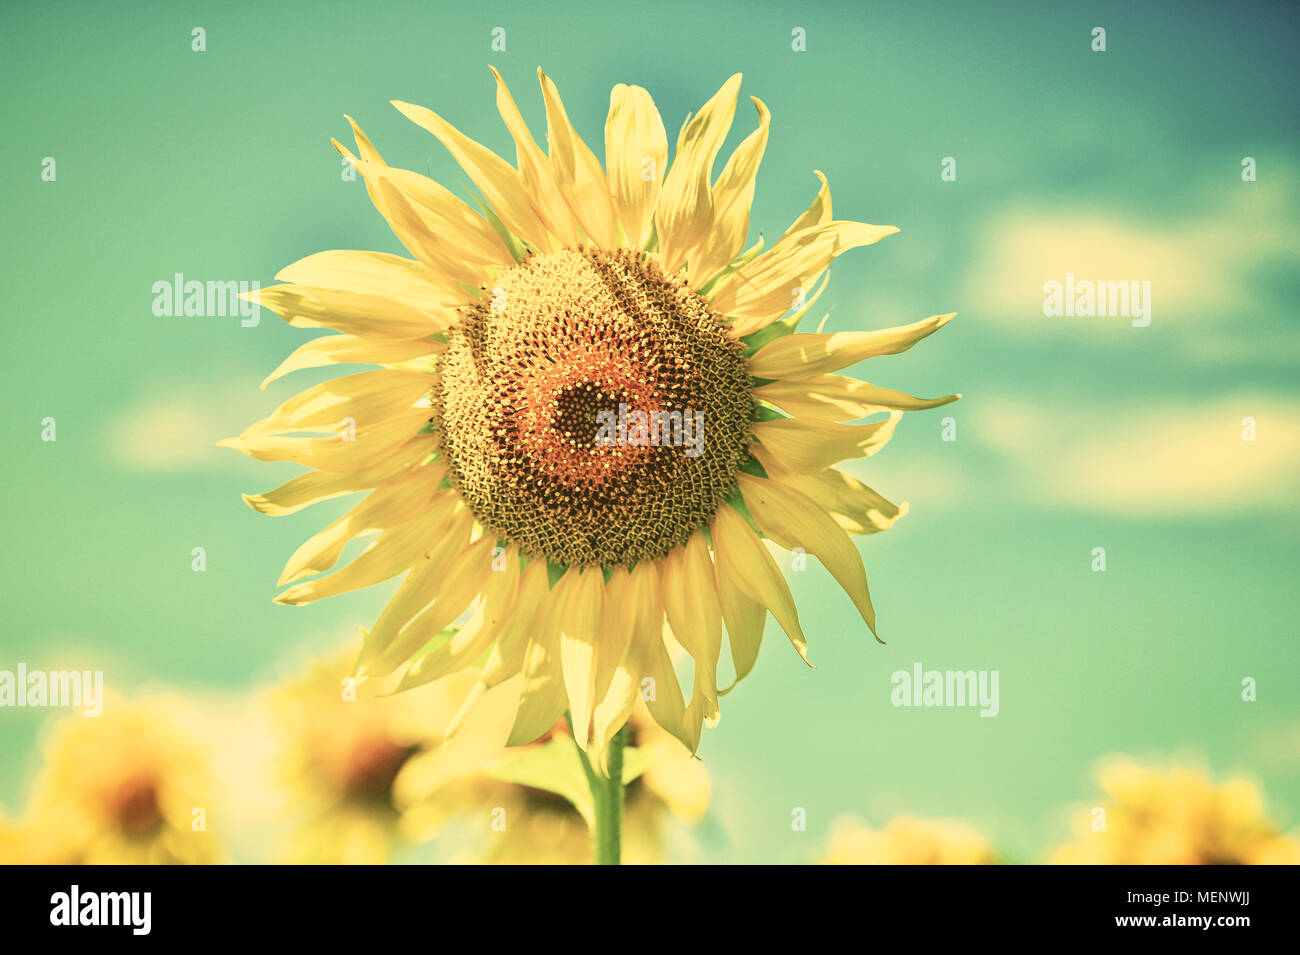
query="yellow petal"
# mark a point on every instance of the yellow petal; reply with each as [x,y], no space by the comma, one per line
[378,274]
[664,696]
[353,401]
[447,218]
[768,287]
[841,398]
[819,213]
[732,196]
[854,506]
[341,453]
[748,564]
[542,698]
[805,356]
[495,178]
[636,158]
[506,658]
[314,486]
[695,617]
[807,444]
[465,581]
[535,170]
[577,170]
[793,520]
[617,624]
[684,211]
[351,349]
[744,618]
[383,508]
[579,616]
[468,643]
[419,588]
[639,615]
[392,553]
[354,312]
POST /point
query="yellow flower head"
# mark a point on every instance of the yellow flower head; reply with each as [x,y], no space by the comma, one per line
[341,744]
[1176,816]
[531,804]
[592,404]
[132,786]
[906,840]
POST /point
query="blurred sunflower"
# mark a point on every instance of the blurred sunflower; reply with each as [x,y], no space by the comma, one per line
[1176,816]
[130,787]
[341,745]
[510,344]
[532,804]
[906,840]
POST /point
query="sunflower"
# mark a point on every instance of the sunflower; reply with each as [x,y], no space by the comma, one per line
[132,786]
[340,745]
[531,804]
[592,405]
[1176,816]
[906,840]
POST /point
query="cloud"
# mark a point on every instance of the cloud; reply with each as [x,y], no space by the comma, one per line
[175,425]
[1148,460]
[1204,261]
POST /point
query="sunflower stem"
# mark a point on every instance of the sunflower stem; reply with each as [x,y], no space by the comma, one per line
[607,797]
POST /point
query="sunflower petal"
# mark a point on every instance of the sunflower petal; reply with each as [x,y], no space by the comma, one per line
[468,643]
[854,506]
[463,582]
[744,618]
[636,158]
[421,585]
[733,194]
[806,356]
[841,398]
[807,444]
[375,274]
[577,170]
[542,698]
[350,349]
[768,287]
[495,178]
[391,554]
[684,210]
[357,400]
[793,520]
[449,216]
[748,564]
[306,489]
[639,614]
[579,620]
[695,617]
[819,213]
[535,170]
[664,695]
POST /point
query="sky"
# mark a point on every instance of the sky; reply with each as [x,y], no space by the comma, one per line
[1074,432]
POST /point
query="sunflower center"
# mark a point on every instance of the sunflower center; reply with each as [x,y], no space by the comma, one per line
[592,409]
[372,769]
[135,805]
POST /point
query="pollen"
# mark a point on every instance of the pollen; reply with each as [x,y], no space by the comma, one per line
[592,409]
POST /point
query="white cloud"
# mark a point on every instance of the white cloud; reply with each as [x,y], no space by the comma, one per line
[1202,262]
[1148,460]
[175,425]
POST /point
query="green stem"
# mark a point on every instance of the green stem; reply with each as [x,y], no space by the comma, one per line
[607,795]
